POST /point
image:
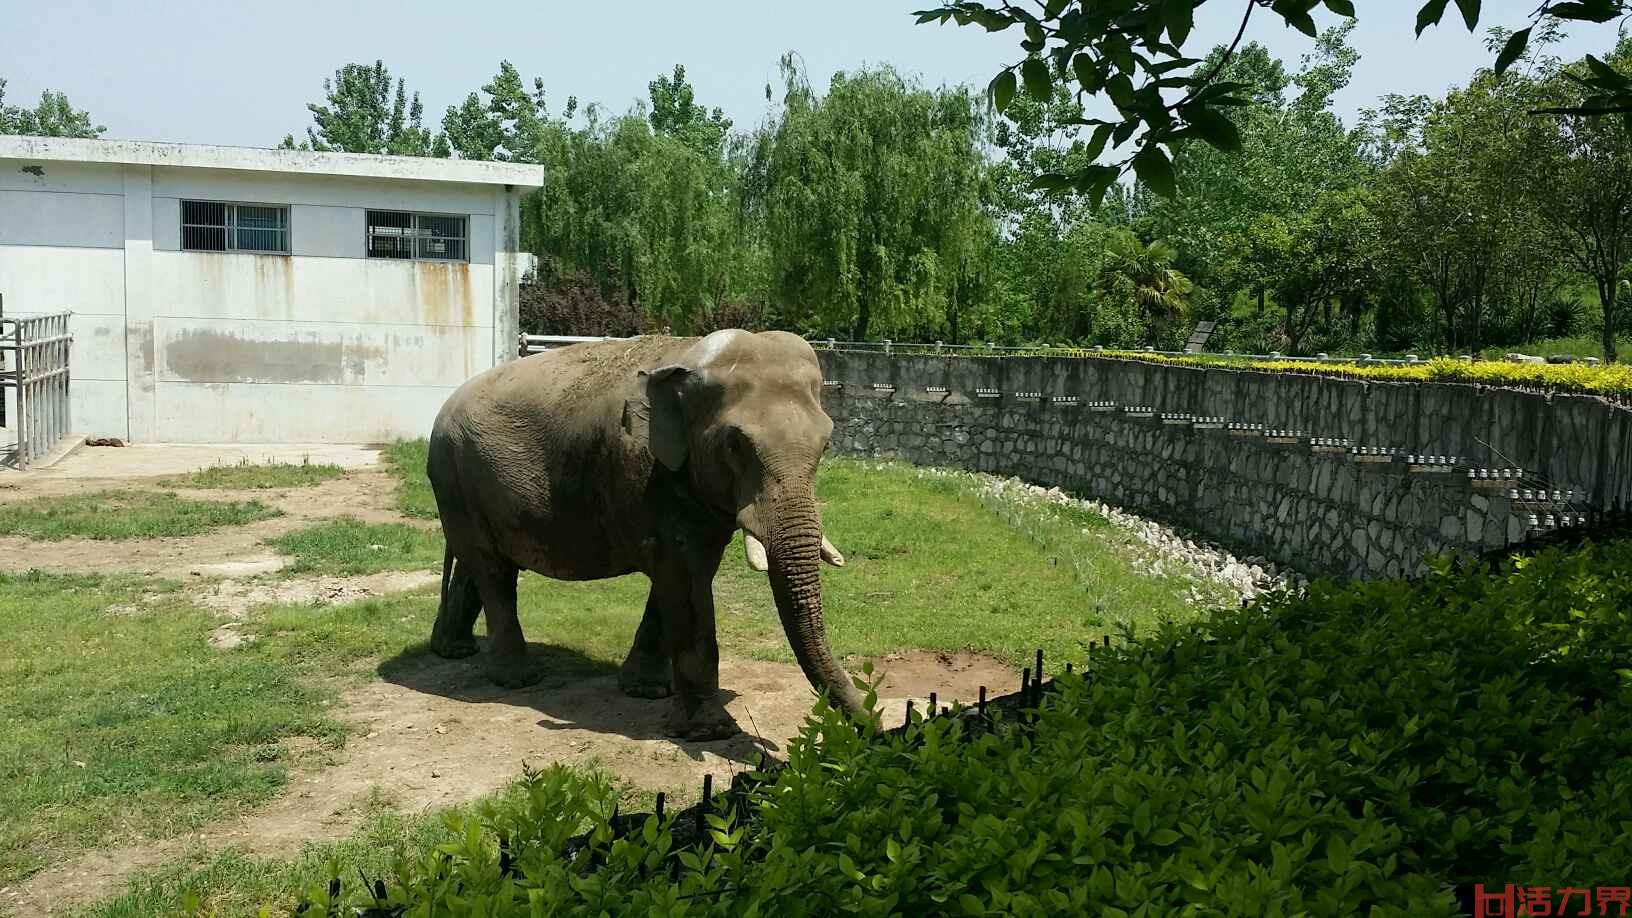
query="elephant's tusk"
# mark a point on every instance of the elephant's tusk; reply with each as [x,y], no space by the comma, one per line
[755,550]
[830,554]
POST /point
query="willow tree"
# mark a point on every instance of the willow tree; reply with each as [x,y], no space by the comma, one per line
[650,213]
[872,204]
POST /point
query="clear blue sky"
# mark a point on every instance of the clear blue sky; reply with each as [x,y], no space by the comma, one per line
[239,73]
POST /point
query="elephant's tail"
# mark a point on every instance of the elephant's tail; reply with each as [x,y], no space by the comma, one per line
[447,574]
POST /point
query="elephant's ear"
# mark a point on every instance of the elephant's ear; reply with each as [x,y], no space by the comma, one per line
[666,428]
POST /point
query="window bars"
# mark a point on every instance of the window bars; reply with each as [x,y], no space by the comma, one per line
[434,237]
[215,226]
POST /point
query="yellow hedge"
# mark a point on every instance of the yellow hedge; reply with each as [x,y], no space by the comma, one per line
[1608,380]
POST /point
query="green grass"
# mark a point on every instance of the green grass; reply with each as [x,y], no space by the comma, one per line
[173,734]
[118,719]
[232,883]
[246,476]
[125,515]
[406,458]
[349,546]
[1583,346]
[929,565]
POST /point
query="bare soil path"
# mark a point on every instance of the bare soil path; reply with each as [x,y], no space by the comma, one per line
[436,733]
[369,494]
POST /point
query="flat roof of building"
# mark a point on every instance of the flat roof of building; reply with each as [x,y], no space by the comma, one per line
[255,159]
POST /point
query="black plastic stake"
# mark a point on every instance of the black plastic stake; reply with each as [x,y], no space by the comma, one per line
[1068,669]
[1107,641]
[660,798]
[1025,684]
[702,811]
[908,718]
[981,705]
[1039,666]
[933,709]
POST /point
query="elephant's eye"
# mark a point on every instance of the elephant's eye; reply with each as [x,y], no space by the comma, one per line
[736,441]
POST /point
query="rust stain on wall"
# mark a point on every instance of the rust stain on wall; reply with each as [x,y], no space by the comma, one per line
[139,341]
[443,287]
[211,356]
[274,286]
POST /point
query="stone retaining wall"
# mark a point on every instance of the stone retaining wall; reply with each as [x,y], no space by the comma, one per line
[1321,509]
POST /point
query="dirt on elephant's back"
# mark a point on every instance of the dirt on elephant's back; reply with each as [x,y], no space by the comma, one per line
[605,363]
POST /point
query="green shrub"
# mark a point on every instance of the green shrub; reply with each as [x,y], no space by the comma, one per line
[1364,749]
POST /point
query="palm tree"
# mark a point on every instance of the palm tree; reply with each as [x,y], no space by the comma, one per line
[1143,277]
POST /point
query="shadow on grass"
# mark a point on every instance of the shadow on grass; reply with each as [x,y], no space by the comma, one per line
[577,692]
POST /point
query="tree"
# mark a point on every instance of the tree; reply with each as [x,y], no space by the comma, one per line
[1589,199]
[1294,149]
[675,113]
[1141,277]
[1460,201]
[652,219]
[363,116]
[1132,52]
[873,204]
[509,127]
[52,116]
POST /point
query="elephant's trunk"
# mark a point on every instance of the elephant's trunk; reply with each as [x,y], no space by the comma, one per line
[794,543]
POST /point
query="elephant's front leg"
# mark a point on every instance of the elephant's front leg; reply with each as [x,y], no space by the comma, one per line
[686,596]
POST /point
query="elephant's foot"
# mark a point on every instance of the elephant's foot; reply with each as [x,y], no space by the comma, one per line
[453,648]
[707,720]
[636,686]
[513,672]
[644,680]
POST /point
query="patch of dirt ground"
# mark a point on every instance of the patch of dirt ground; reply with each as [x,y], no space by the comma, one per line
[368,494]
[437,733]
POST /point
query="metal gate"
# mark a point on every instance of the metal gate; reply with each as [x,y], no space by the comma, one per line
[34,364]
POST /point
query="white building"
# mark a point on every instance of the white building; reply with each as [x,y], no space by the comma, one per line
[233,295]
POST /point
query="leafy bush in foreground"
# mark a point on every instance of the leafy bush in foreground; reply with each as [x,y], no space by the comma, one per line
[1365,749]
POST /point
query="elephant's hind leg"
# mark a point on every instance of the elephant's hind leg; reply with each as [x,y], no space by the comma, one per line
[645,671]
[507,662]
[453,635]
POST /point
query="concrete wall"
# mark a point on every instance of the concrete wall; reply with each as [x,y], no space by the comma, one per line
[322,345]
[1323,512]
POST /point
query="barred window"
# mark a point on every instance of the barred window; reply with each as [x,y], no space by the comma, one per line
[395,234]
[214,226]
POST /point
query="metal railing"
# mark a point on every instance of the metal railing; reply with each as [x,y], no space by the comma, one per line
[34,353]
[535,344]
[538,344]
[1059,350]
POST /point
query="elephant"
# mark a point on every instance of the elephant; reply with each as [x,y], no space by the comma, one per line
[644,454]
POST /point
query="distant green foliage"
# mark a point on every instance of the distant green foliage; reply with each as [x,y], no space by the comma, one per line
[873,199]
[360,114]
[348,546]
[1367,749]
[124,515]
[52,116]
[248,476]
